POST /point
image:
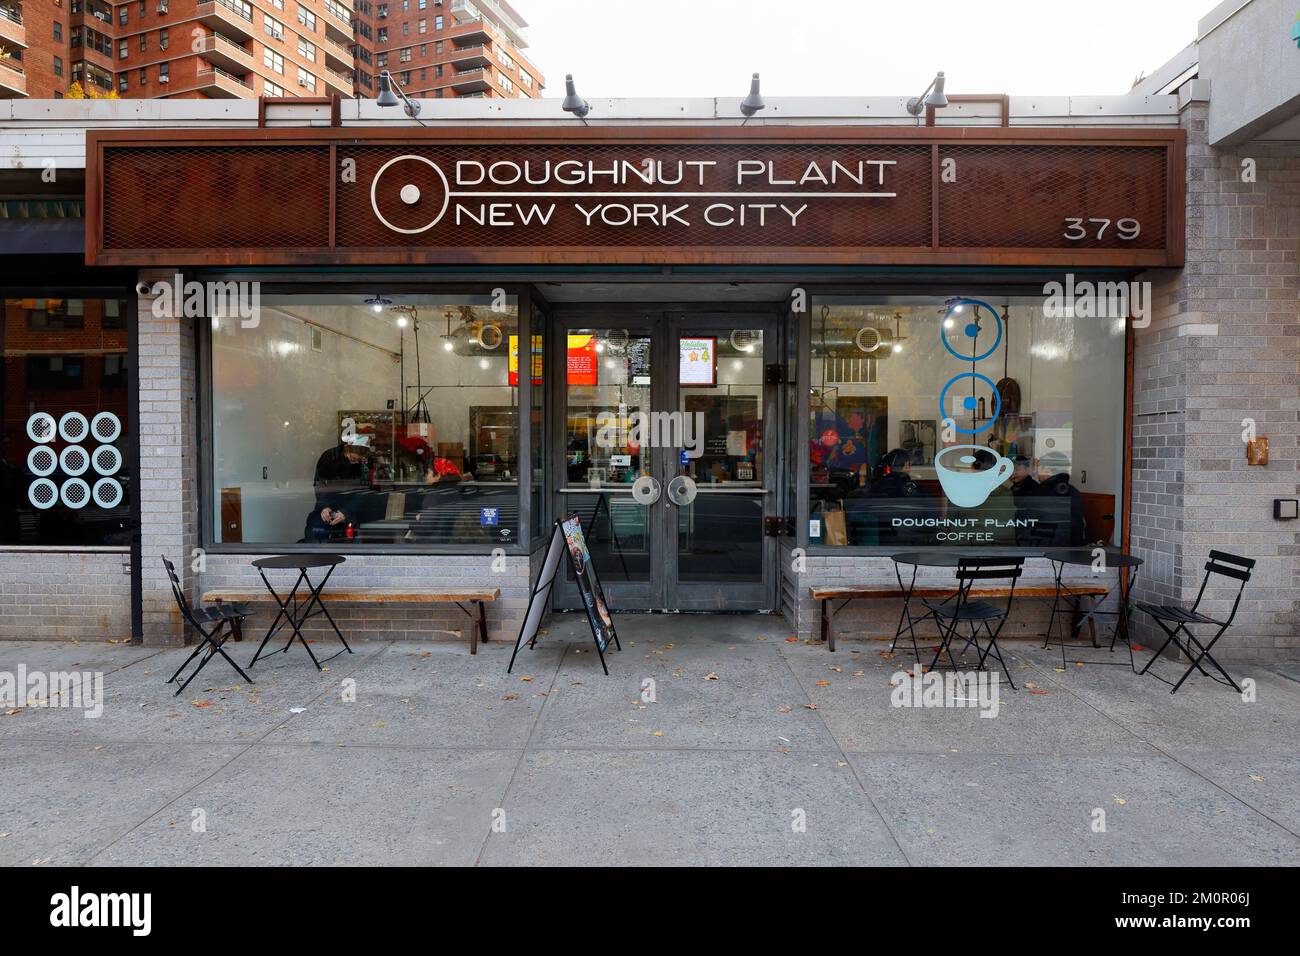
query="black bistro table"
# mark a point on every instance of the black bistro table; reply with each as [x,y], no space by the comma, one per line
[1087,557]
[295,611]
[916,560]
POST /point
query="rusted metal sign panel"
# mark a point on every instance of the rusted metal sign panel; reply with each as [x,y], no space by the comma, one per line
[828,195]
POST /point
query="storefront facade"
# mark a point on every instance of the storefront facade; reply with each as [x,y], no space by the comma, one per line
[758,358]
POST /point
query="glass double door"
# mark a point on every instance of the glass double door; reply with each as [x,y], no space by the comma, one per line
[664,421]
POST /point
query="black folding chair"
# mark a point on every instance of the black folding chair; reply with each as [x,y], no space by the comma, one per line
[208,620]
[978,615]
[1221,563]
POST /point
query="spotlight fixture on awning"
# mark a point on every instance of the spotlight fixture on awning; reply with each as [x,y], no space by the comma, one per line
[378,302]
[752,103]
[932,95]
[391,94]
[573,103]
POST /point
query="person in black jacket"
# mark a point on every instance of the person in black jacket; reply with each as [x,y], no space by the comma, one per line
[342,482]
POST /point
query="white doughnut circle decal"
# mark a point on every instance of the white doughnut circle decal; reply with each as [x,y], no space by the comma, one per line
[73,426]
[74,460]
[107,493]
[75,493]
[105,427]
[41,461]
[446,194]
[41,428]
[107,460]
[43,493]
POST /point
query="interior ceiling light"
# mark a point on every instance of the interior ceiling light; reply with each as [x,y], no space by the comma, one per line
[377,303]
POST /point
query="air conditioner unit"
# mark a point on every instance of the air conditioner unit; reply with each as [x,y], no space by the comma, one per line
[162,6]
[164,79]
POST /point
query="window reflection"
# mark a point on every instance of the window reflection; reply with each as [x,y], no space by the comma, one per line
[942,424]
[394,421]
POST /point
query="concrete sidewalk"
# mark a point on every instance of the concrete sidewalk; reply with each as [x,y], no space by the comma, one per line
[443,758]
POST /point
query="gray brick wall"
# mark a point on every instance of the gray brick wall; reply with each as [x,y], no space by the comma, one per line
[168,461]
[1224,346]
[65,596]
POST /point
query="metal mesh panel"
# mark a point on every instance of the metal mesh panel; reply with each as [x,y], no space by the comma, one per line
[215,197]
[1048,183]
[903,220]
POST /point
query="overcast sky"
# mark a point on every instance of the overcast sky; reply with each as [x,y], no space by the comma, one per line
[853,47]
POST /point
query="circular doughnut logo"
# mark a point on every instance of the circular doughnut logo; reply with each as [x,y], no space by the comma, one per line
[969,403]
[413,186]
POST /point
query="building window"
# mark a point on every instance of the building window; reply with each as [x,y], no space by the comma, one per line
[383,35]
[406,29]
[309,421]
[144,75]
[504,59]
[270,89]
[163,39]
[164,72]
[58,31]
[143,5]
[505,82]
[437,47]
[65,364]
[381,59]
[123,81]
[122,52]
[306,50]
[437,23]
[525,80]
[272,27]
[422,4]
[58,66]
[910,443]
[406,77]
[273,60]
[381,10]
[306,80]
[437,71]
[422,26]
[404,55]
[122,14]
[144,42]
[406,5]
[306,18]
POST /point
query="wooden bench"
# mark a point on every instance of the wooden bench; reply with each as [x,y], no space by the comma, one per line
[479,597]
[868,592]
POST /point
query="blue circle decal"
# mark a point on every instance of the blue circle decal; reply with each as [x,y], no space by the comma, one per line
[969,402]
[969,330]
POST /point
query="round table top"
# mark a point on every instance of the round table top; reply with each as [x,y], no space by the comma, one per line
[1086,556]
[299,562]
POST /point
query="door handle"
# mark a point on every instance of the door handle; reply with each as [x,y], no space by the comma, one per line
[681,490]
[645,490]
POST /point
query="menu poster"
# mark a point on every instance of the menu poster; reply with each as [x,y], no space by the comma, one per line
[581,368]
[568,536]
[697,361]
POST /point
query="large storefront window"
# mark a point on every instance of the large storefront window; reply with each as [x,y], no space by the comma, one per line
[64,447]
[981,422]
[387,420]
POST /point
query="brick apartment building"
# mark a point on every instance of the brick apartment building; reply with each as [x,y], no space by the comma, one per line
[245,48]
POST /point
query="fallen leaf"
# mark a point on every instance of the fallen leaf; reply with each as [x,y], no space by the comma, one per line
[823,683]
[792,640]
[1257,778]
[659,733]
[203,703]
[510,697]
[811,706]
[783,709]
[1120,800]
[841,763]
[710,676]
[526,678]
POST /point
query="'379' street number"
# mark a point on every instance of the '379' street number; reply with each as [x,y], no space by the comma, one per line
[1127,229]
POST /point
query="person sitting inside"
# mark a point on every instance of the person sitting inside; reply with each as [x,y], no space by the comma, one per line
[343,479]
[892,478]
